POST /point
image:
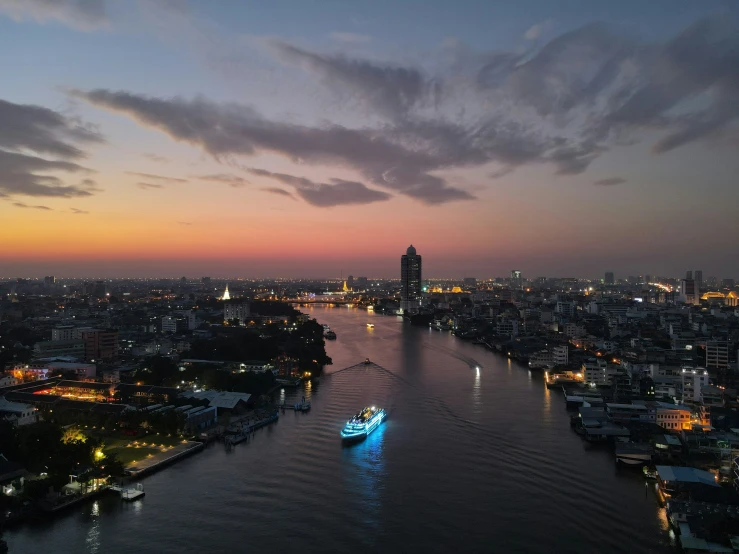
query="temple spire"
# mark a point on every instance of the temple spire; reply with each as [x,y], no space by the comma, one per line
[226,295]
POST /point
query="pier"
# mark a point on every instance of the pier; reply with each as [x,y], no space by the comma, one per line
[301,406]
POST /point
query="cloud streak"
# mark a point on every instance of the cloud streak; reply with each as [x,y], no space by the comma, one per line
[391,89]
[156,158]
[337,192]
[225,178]
[149,186]
[278,191]
[83,15]
[609,182]
[22,205]
[162,178]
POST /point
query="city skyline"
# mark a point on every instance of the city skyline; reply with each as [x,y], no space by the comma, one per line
[177,138]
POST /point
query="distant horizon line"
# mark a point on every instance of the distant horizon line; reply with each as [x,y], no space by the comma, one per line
[327,279]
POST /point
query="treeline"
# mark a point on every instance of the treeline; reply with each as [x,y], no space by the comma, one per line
[48,450]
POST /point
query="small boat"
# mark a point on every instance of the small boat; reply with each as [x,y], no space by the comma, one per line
[367,361]
[362,424]
[371,325]
[133,493]
[649,473]
[330,335]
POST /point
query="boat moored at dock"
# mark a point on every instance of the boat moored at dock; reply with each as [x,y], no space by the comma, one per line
[362,424]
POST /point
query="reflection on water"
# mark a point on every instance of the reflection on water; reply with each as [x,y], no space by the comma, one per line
[476,401]
[364,474]
[92,540]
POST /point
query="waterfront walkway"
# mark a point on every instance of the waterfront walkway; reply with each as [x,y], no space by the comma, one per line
[154,462]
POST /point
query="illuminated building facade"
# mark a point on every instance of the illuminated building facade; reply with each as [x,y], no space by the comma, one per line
[410,280]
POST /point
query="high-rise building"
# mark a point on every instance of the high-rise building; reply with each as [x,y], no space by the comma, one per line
[100,344]
[360,283]
[698,281]
[410,280]
[470,282]
[516,279]
[689,275]
[49,281]
[729,283]
[688,292]
[609,280]
[350,282]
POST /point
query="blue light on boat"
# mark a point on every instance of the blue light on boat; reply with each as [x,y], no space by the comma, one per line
[363,423]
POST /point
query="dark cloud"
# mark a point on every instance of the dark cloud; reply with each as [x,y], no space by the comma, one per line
[79,14]
[156,158]
[570,71]
[337,192]
[390,89]
[226,178]
[609,181]
[398,158]
[278,191]
[185,223]
[28,175]
[28,132]
[149,186]
[22,205]
[702,58]
[42,130]
[162,178]
[78,212]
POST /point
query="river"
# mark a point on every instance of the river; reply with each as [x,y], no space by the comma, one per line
[469,460]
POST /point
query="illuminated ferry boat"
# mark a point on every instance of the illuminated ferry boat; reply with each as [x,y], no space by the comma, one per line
[362,424]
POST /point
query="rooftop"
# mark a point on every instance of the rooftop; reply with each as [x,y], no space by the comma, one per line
[686,475]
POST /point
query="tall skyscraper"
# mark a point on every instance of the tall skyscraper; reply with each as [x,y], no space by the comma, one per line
[410,280]
[609,280]
[698,281]
[689,275]
[688,292]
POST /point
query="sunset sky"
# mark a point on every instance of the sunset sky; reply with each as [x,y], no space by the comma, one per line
[297,138]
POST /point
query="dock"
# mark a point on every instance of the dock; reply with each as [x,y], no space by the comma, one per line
[242,433]
[301,406]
